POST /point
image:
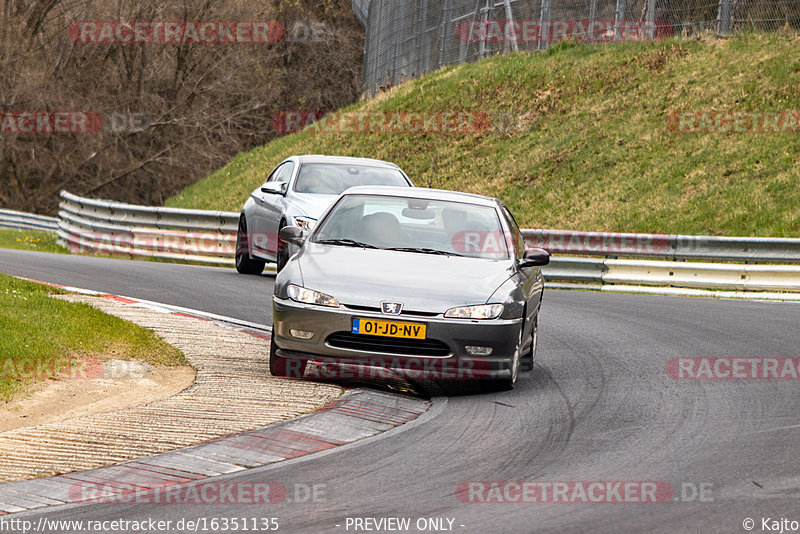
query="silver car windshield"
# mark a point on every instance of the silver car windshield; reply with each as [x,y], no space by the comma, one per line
[414,225]
[334,179]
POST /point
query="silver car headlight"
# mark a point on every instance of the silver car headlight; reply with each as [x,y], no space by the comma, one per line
[309,296]
[484,311]
[306,223]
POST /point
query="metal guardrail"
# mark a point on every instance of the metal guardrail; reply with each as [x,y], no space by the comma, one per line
[671,247]
[726,276]
[101,226]
[27,221]
[108,227]
[679,271]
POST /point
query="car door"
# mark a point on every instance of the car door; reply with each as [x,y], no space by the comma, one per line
[532,280]
[273,207]
[266,207]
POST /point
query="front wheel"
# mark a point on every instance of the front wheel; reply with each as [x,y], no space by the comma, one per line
[283,251]
[245,264]
[507,383]
[526,363]
[284,367]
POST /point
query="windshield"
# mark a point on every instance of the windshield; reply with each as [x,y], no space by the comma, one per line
[335,179]
[414,225]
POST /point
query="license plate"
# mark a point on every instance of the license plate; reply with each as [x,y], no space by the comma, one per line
[374,327]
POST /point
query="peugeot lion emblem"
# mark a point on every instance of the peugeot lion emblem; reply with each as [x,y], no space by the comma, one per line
[391,308]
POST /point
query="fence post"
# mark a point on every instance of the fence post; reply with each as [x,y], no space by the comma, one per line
[650,23]
[619,18]
[724,17]
[544,25]
[484,22]
[447,33]
[399,27]
[510,20]
[423,40]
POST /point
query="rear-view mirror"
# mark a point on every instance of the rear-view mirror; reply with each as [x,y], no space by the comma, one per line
[535,257]
[293,235]
[274,188]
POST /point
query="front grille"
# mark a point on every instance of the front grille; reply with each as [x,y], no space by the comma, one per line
[374,309]
[388,345]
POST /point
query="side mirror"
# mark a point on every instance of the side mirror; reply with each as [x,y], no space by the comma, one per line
[535,257]
[293,235]
[274,188]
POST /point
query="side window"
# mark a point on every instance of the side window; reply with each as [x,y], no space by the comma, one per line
[285,173]
[282,173]
[516,235]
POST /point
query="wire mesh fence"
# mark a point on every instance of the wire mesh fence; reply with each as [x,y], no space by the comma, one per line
[408,38]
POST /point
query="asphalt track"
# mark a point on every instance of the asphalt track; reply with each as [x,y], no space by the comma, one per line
[599,406]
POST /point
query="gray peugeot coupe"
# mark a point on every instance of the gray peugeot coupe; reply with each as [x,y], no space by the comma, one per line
[416,283]
[296,193]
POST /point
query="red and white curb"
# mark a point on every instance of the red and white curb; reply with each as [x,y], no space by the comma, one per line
[356,415]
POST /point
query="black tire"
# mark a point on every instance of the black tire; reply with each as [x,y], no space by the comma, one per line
[526,363]
[507,383]
[244,263]
[284,367]
[282,255]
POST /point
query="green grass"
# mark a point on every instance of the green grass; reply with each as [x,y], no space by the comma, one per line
[29,240]
[591,148]
[38,330]
[47,242]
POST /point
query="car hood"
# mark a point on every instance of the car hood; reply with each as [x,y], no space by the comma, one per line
[422,282]
[313,205]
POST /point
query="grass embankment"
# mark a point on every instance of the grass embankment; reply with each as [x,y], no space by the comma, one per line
[41,335]
[47,242]
[591,149]
[29,240]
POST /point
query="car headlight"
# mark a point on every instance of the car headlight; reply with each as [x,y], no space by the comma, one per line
[308,296]
[485,311]
[306,223]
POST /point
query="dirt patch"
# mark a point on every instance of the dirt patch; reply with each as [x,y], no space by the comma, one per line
[58,400]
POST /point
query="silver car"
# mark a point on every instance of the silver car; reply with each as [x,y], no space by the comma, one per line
[421,283]
[295,194]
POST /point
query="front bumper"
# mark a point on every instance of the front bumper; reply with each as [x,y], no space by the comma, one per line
[502,335]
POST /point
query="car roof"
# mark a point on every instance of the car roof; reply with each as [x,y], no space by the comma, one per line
[344,160]
[419,192]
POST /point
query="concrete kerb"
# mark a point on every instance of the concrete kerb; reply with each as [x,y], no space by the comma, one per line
[356,415]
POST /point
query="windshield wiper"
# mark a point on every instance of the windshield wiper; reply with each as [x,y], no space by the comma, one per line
[424,251]
[345,243]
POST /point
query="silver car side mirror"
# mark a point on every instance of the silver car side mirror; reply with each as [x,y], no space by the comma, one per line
[274,188]
[293,235]
[534,257]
